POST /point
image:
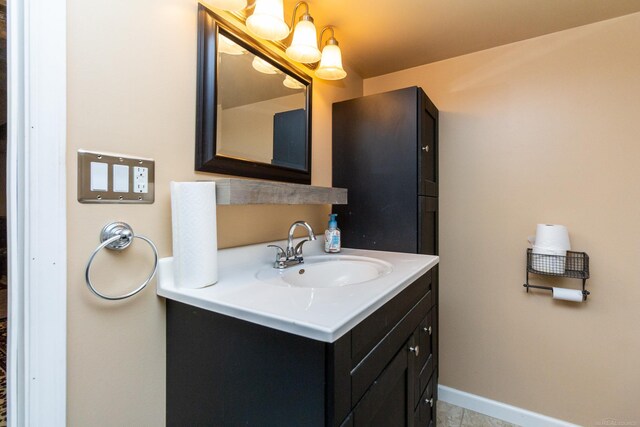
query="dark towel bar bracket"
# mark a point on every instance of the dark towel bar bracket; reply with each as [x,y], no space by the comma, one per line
[549,288]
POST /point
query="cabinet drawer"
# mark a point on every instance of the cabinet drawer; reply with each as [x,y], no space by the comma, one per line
[363,375]
[425,334]
[368,333]
[423,415]
[426,360]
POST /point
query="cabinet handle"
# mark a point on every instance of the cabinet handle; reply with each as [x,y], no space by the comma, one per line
[415,349]
[429,401]
[425,148]
[427,329]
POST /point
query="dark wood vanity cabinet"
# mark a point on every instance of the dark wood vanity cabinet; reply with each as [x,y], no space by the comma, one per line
[223,371]
[403,394]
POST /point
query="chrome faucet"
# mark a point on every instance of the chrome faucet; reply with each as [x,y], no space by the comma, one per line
[292,255]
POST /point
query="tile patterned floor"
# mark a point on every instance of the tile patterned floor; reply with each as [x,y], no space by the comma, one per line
[455,416]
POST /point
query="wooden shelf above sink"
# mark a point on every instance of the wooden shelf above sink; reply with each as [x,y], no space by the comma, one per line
[236,191]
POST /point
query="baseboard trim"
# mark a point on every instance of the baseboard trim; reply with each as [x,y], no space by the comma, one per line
[498,410]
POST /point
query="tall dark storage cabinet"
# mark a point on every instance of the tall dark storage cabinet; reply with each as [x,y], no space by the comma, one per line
[385,152]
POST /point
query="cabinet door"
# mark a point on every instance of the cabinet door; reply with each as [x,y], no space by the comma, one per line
[427,147]
[289,129]
[374,143]
[428,225]
[387,403]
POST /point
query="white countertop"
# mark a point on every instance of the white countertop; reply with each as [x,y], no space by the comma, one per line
[323,314]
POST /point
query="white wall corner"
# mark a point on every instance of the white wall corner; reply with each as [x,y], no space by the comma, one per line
[36,196]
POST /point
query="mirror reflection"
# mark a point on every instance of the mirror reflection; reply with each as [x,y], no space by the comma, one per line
[261,111]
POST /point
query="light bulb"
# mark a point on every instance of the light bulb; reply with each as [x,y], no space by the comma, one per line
[292,83]
[267,20]
[330,67]
[304,47]
[226,45]
[263,66]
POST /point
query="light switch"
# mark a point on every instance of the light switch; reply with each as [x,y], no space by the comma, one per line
[120,179]
[99,176]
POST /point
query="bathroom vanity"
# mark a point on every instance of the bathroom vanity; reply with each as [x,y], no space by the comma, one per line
[261,348]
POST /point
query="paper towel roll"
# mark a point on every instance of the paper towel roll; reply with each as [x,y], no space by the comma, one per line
[195,237]
[567,294]
[551,237]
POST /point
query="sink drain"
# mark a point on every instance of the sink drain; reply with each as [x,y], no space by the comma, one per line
[301,271]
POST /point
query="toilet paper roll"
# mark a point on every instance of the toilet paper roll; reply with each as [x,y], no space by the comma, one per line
[551,237]
[195,237]
[549,260]
[567,294]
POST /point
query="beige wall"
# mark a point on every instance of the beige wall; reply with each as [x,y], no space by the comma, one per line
[545,130]
[246,131]
[131,89]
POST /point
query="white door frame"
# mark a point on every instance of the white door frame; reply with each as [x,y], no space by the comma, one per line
[36,211]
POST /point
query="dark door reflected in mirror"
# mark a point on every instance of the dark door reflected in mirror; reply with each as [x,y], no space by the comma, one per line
[253,107]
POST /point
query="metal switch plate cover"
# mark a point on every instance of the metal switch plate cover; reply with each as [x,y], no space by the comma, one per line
[85,195]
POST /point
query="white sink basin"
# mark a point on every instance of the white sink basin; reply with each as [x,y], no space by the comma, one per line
[327,271]
[250,289]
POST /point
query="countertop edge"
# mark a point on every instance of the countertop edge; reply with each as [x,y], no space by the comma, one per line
[274,321]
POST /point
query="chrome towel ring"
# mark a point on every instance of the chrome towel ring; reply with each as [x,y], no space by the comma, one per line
[117,236]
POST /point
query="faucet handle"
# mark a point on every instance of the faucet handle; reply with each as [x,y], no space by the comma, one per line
[281,253]
[298,250]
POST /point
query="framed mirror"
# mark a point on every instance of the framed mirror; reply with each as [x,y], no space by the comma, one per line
[253,108]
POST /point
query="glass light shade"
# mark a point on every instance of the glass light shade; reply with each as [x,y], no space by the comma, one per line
[233,5]
[267,20]
[292,83]
[330,67]
[263,66]
[225,45]
[304,47]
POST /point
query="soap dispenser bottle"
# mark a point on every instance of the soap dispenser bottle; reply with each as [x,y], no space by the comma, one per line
[332,235]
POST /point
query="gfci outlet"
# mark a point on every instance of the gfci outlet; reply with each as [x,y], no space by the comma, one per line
[140,179]
[115,178]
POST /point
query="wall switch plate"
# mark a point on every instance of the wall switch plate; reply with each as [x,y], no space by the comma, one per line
[114,178]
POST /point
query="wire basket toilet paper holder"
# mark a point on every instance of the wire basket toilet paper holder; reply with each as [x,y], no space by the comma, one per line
[575,265]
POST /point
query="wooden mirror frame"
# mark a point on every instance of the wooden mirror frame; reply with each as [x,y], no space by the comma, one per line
[207,160]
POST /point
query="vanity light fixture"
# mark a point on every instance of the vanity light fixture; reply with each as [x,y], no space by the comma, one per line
[304,47]
[231,5]
[292,83]
[229,47]
[267,20]
[330,67]
[263,66]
